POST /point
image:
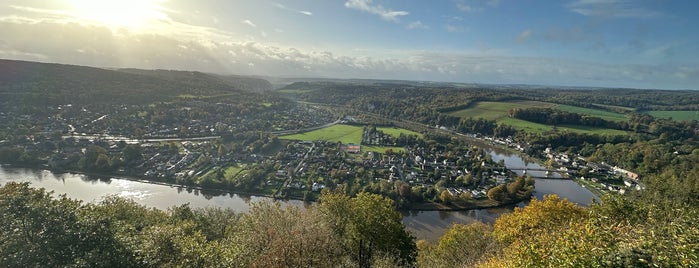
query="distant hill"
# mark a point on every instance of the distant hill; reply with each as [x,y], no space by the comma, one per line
[203,80]
[49,83]
[247,83]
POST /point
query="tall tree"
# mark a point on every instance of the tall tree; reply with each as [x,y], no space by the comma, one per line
[368,226]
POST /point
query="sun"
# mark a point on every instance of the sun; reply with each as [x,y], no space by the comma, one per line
[132,14]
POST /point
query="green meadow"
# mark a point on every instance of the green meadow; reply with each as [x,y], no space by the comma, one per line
[606,115]
[498,111]
[336,133]
[347,134]
[395,132]
[676,115]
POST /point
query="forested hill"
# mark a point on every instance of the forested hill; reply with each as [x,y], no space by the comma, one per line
[46,83]
[203,80]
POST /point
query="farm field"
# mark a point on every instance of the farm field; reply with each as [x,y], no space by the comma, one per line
[591,130]
[541,128]
[676,115]
[610,116]
[525,125]
[614,107]
[395,132]
[345,134]
[498,111]
[351,134]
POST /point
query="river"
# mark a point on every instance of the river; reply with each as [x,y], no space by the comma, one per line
[431,225]
[423,224]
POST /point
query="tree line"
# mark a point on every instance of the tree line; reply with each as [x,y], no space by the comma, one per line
[551,116]
[41,229]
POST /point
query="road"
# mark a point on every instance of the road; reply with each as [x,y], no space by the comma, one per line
[295,131]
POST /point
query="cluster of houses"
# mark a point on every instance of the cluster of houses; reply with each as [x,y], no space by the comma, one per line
[607,177]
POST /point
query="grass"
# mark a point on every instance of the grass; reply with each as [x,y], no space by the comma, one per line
[614,107]
[267,104]
[381,149]
[337,133]
[591,130]
[497,110]
[525,125]
[676,115]
[395,132]
[231,171]
[269,190]
[541,128]
[350,134]
[606,115]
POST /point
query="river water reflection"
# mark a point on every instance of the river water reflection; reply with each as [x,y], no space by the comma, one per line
[91,189]
[431,225]
[423,224]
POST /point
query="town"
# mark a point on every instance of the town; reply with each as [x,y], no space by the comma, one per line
[155,144]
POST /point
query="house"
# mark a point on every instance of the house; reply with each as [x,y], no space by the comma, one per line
[352,148]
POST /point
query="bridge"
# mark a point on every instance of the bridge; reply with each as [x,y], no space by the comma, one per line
[542,169]
[564,173]
[534,169]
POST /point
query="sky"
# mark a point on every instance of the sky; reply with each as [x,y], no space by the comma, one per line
[597,43]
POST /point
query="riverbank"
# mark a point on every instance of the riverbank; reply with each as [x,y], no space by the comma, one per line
[590,186]
[426,206]
[463,205]
[98,175]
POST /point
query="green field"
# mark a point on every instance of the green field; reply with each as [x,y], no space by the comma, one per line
[347,134]
[395,132]
[614,107]
[609,116]
[676,115]
[381,149]
[231,171]
[525,125]
[498,110]
[541,128]
[591,130]
[337,133]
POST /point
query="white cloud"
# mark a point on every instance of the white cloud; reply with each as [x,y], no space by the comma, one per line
[455,28]
[417,25]
[467,8]
[367,6]
[250,23]
[524,35]
[612,9]
[455,19]
[661,51]
[188,47]
[475,6]
[304,12]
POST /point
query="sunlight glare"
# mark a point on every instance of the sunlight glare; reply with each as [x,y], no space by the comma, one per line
[132,14]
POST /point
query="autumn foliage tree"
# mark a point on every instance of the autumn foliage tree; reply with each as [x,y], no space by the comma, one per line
[368,226]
